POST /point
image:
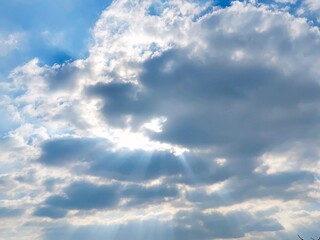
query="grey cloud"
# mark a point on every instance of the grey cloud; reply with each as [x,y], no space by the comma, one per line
[247,110]
[137,230]
[242,108]
[85,196]
[62,77]
[264,225]
[90,196]
[120,98]
[140,195]
[26,177]
[307,229]
[257,186]
[216,225]
[184,226]
[50,183]
[6,212]
[126,165]
[67,150]
[138,166]
[49,212]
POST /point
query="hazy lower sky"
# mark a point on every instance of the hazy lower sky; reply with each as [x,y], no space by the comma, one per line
[159,119]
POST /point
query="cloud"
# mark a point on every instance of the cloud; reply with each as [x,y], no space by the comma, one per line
[313,5]
[6,212]
[188,120]
[132,230]
[50,212]
[67,150]
[140,195]
[83,195]
[258,186]
[89,196]
[99,159]
[185,225]
[209,96]
[217,225]
[8,44]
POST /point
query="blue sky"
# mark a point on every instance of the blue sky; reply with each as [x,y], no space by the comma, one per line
[51,31]
[162,120]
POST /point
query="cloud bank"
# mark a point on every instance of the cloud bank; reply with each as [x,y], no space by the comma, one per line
[187,120]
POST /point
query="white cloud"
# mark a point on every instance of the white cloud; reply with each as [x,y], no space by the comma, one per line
[313,5]
[126,35]
[9,43]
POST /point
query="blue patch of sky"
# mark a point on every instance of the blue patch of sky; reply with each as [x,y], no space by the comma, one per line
[222,3]
[155,9]
[211,5]
[53,31]
[6,124]
[154,47]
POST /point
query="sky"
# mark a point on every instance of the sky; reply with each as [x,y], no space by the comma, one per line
[159,119]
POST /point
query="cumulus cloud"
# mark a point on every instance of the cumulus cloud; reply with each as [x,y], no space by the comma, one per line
[264,91]
[188,120]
